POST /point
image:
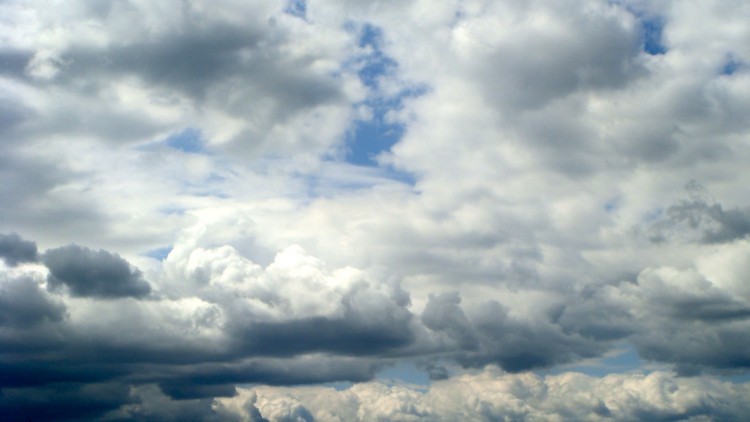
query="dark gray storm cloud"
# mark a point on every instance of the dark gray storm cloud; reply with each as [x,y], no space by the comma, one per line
[519,345]
[15,250]
[489,335]
[62,402]
[90,273]
[593,315]
[715,349]
[356,333]
[219,378]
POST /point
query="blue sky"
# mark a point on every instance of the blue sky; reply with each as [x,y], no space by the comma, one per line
[376,134]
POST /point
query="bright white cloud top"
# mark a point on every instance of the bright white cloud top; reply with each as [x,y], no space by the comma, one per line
[215,210]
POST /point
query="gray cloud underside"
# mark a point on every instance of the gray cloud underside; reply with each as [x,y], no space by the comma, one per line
[93,273]
[15,250]
[45,346]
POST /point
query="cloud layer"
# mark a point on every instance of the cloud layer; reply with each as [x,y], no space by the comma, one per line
[492,395]
[207,206]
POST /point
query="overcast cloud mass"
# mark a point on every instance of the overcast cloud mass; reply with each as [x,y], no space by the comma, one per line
[375,210]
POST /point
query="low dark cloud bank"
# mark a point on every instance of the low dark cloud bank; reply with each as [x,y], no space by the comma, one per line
[126,338]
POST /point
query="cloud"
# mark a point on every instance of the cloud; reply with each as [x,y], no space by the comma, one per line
[349,335]
[710,220]
[138,71]
[492,395]
[62,401]
[75,334]
[86,272]
[15,250]
[688,320]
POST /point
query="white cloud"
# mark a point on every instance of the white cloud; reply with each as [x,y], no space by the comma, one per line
[492,395]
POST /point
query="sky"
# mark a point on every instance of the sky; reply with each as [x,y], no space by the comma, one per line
[412,210]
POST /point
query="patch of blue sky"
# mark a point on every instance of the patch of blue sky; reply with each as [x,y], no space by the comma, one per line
[368,35]
[173,211]
[189,140]
[652,29]
[653,215]
[377,63]
[338,386]
[369,137]
[296,8]
[624,359]
[159,253]
[731,66]
[403,373]
[612,205]
[737,378]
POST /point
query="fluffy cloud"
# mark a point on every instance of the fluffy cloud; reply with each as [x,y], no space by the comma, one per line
[492,395]
[688,320]
[155,68]
[107,327]
[711,221]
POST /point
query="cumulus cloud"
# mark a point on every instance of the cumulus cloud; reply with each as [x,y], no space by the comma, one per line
[197,345]
[706,220]
[25,304]
[150,67]
[688,320]
[493,395]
